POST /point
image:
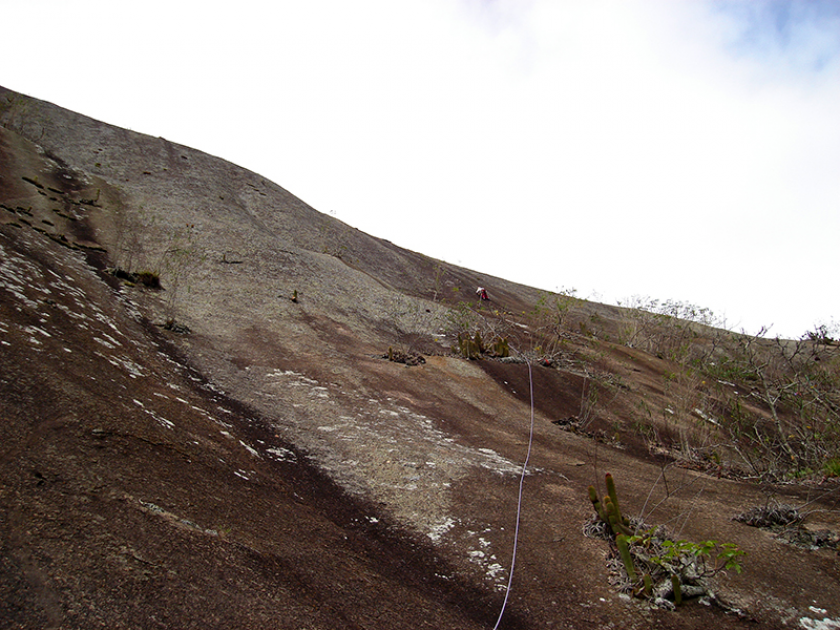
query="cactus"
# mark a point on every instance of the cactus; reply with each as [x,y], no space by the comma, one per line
[596,503]
[615,520]
[467,347]
[655,555]
[648,585]
[614,498]
[677,587]
[471,349]
[612,513]
[624,551]
[504,347]
[460,346]
[608,510]
[501,347]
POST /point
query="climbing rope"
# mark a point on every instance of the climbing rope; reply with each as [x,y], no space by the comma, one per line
[519,501]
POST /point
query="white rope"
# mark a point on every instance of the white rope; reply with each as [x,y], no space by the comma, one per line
[519,502]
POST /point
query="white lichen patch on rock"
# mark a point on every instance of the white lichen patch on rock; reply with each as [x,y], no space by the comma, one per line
[819,624]
[281,454]
[250,449]
[437,531]
[483,556]
[385,450]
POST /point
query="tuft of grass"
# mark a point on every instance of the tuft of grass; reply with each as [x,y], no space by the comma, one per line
[831,468]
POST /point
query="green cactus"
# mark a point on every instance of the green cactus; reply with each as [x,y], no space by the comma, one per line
[624,551]
[675,584]
[479,344]
[620,528]
[501,347]
[473,349]
[621,524]
[617,526]
[614,498]
[648,585]
[467,347]
[655,555]
[596,503]
[608,511]
[611,488]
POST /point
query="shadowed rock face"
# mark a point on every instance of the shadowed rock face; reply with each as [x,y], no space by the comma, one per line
[215,453]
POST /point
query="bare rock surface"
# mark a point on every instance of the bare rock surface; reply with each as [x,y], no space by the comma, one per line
[231,449]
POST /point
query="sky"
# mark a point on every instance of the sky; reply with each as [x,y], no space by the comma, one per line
[672,150]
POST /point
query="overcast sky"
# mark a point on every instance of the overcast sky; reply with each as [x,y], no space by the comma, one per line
[677,150]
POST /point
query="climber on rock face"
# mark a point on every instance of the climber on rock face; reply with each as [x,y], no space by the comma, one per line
[482,293]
